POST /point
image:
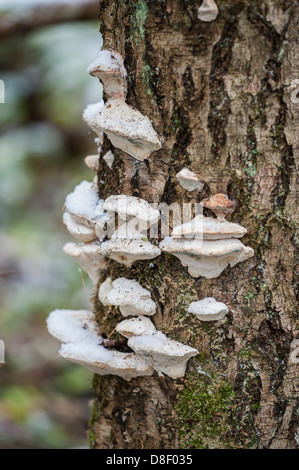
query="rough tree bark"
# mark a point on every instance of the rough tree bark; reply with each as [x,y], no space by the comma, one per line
[220,95]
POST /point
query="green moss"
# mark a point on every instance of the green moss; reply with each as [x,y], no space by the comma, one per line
[141,15]
[249,296]
[93,418]
[252,153]
[91,438]
[204,410]
[245,354]
[147,78]
[138,19]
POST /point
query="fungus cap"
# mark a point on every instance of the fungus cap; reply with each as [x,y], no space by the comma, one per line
[207,258]
[135,327]
[104,290]
[208,228]
[131,206]
[164,355]
[128,252]
[189,181]
[220,204]
[92,162]
[126,128]
[108,67]
[84,232]
[78,332]
[72,326]
[208,11]
[88,256]
[129,295]
[84,204]
[208,309]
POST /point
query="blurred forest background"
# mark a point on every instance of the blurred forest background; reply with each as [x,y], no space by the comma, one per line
[45,48]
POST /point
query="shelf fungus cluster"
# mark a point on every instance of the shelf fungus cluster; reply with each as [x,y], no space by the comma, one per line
[78,332]
[207,245]
[151,350]
[116,229]
[125,127]
[129,243]
[85,219]
[164,355]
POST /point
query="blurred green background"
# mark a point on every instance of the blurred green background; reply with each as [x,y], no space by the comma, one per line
[44,401]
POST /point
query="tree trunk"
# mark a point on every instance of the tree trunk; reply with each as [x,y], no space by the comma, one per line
[221,95]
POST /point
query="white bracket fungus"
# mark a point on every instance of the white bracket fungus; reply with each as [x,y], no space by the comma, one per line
[128,207]
[132,230]
[87,218]
[207,258]
[82,202]
[90,113]
[109,159]
[189,181]
[125,127]
[104,290]
[127,245]
[108,67]
[84,233]
[208,309]
[82,345]
[220,204]
[73,326]
[206,245]
[128,252]
[208,228]
[208,11]
[163,354]
[128,295]
[92,162]
[135,327]
[88,256]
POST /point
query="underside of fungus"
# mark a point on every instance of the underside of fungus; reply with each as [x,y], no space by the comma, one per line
[108,67]
[208,245]
[84,232]
[135,327]
[209,228]
[84,213]
[128,252]
[207,258]
[163,354]
[128,207]
[189,181]
[77,330]
[88,256]
[208,309]
[220,204]
[128,295]
[125,127]
[92,162]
